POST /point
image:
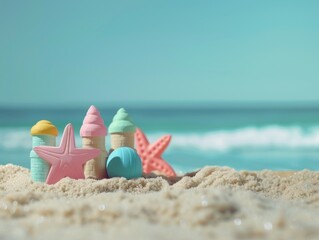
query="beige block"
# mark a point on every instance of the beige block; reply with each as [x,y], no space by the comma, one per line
[122,140]
[95,168]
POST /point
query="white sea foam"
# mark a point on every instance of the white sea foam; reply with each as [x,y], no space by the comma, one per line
[14,138]
[18,138]
[222,140]
[249,137]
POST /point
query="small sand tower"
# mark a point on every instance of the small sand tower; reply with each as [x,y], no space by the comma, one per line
[43,134]
[93,132]
[122,130]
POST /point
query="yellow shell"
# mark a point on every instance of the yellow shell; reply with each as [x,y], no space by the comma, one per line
[44,127]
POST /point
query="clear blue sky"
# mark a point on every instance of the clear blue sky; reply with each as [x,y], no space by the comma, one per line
[83,52]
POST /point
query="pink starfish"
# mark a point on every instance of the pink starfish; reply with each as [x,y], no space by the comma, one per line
[151,153]
[66,160]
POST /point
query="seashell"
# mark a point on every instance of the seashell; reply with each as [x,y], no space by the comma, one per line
[124,162]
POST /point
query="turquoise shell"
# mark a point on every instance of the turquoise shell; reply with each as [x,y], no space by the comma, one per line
[124,162]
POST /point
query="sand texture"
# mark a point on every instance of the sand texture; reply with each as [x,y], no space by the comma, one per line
[214,202]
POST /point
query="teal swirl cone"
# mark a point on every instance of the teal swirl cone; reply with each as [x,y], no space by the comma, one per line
[43,134]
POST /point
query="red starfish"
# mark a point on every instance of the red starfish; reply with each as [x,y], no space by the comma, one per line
[151,153]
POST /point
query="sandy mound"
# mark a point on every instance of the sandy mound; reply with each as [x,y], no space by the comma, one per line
[213,202]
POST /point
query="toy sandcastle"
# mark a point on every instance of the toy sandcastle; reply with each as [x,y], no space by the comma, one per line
[43,134]
[93,132]
[122,130]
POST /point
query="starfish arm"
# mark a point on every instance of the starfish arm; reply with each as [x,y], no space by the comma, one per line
[55,175]
[67,140]
[76,171]
[162,166]
[84,155]
[141,141]
[49,154]
[71,138]
[156,149]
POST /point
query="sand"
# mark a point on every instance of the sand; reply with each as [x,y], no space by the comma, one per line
[212,203]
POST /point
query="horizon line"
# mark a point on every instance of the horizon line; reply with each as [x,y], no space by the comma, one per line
[169,104]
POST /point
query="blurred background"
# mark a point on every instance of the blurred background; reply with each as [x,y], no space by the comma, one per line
[234,82]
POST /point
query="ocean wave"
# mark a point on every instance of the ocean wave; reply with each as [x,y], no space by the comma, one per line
[249,137]
[15,138]
[221,140]
[20,138]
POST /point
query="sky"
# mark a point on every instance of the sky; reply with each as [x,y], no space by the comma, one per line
[73,53]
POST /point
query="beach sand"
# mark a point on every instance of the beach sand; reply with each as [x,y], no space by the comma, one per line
[215,202]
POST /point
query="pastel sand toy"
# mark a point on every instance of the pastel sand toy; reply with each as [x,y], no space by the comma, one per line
[124,162]
[122,130]
[151,153]
[50,163]
[93,132]
[66,160]
[43,134]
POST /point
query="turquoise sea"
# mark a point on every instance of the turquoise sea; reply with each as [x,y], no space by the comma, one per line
[243,137]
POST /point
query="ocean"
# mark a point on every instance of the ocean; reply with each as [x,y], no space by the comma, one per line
[241,137]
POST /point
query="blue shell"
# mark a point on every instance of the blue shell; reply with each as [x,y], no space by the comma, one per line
[124,162]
